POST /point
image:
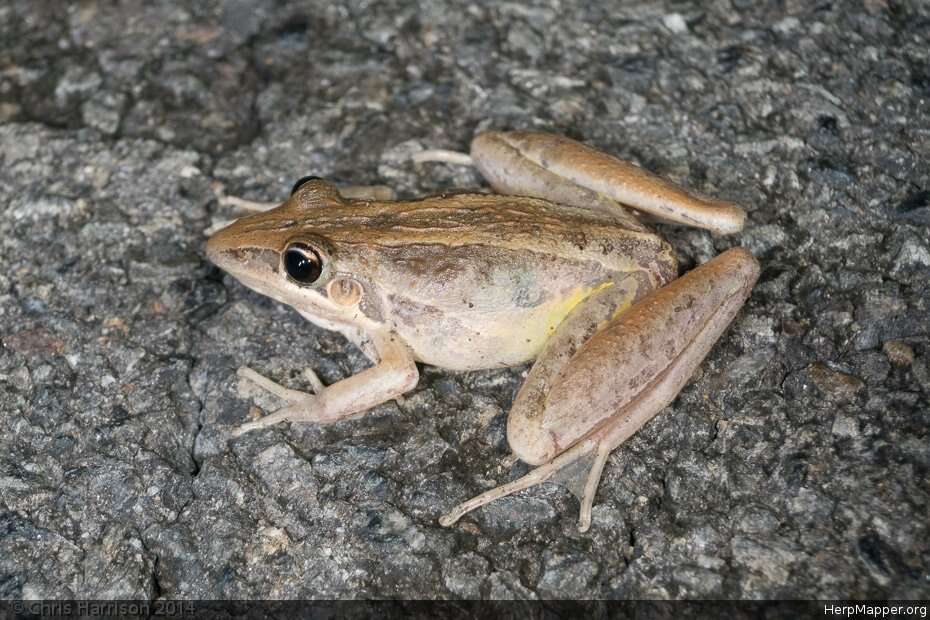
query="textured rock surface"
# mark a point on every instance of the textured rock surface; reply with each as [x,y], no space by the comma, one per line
[795,464]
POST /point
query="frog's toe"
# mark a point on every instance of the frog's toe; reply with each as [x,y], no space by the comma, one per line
[303,411]
[291,396]
[314,380]
[242,429]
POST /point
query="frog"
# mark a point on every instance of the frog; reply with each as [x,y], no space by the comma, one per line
[559,265]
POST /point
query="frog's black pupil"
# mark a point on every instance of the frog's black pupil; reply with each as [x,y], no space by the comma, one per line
[303,265]
[300,183]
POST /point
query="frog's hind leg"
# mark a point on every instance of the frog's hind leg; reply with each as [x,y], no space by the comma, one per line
[567,172]
[561,170]
[591,455]
[569,467]
[590,400]
[510,172]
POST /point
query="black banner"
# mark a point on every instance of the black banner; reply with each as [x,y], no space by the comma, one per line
[455,610]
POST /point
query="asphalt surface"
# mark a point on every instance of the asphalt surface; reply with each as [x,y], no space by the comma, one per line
[795,464]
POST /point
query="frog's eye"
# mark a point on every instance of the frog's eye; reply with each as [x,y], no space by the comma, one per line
[302,263]
[301,182]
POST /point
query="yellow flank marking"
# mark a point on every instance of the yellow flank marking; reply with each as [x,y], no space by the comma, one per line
[560,309]
[620,310]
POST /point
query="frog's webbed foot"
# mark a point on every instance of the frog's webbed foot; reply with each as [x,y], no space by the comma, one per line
[301,405]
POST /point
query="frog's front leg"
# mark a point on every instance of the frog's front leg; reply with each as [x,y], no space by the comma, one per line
[394,374]
[575,403]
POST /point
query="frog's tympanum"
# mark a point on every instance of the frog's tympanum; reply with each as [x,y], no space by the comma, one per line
[555,267]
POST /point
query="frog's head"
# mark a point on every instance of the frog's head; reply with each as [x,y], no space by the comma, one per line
[281,254]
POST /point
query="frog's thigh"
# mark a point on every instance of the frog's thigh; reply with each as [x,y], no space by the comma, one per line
[630,370]
[582,323]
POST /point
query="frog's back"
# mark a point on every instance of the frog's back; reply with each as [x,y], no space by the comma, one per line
[507,222]
[479,280]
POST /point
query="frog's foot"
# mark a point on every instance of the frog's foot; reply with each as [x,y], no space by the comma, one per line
[291,396]
[240,207]
[599,446]
[393,375]
[302,406]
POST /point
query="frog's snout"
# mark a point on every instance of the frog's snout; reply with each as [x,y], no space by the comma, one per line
[227,250]
[214,249]
[220,248]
